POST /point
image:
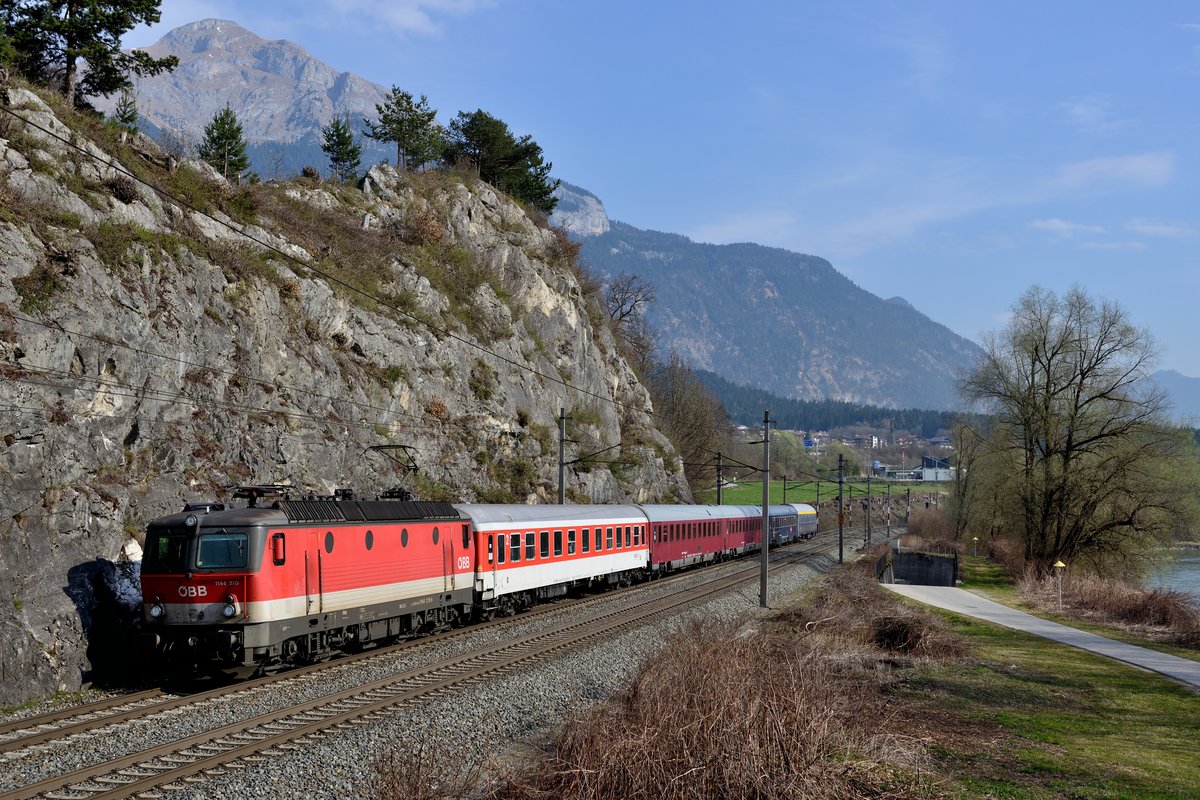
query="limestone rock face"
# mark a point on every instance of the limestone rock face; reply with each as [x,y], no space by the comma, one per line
[579,211]
[280,92]
[153,355]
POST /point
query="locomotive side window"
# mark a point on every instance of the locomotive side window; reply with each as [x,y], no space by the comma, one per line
[585,540]
[529,546]
[404,537]
[545,544]
[328,541]
[435,535]
[515,547]
[221,551]
[570,543]
[558,543]
[165,554]
[466,537]
[370,540]
[278,549]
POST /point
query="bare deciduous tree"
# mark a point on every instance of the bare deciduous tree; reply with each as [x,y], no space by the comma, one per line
[1079,439]
[627,297]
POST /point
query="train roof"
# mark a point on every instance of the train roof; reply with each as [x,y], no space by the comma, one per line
[549,515]
[312,510]
[679,513]
[803,508]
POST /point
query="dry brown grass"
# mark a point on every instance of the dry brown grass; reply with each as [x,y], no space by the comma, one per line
[933,528]
[797,709]
[1162,614]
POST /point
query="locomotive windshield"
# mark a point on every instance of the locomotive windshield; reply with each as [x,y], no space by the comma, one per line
[222,550]
[165,553]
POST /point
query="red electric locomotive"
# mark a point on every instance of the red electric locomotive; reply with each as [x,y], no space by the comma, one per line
[242,590]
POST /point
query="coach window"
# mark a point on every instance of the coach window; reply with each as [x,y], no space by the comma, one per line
[491,548]
[570,543]
[545,544]
[529,546]
[514,543]
[585,540]
[500,550]
[608,538]
[628,536]
[599,536]
[558,543]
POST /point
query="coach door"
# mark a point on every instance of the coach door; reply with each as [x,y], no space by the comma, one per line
[312,574]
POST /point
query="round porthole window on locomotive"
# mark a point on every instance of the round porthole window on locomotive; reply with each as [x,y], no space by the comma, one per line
[404,537]
[435,535]
[328,541]
[370,540]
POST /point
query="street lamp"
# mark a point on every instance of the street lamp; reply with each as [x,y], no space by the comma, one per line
[1059,566]
[975,545]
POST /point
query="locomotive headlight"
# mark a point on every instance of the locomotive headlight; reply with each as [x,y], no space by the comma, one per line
[157,610]
[230,609]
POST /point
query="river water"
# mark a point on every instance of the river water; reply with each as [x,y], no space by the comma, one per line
[1182,572]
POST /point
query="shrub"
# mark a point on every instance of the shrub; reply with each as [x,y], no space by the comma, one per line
[123,188]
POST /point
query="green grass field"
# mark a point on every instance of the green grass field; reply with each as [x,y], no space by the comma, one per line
[749,493]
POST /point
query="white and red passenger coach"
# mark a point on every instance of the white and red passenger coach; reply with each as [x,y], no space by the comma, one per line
[528,553]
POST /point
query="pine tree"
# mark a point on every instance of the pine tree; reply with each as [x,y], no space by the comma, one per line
[224,146]
[513,165]
[126,114]
[52,36]
[344,153]
[411,124]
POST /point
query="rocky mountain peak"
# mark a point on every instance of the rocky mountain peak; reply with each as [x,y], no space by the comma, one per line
[579,211]
[280,92]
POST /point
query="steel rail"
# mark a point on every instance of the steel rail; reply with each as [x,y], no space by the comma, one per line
[174,761]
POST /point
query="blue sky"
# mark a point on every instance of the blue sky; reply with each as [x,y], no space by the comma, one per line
[953,153]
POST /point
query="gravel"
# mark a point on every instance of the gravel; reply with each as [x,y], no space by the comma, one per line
[481,720]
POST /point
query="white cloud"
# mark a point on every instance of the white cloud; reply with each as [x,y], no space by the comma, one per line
[1063,228]
[1170,230]
[1143,169]
[1128,245]
[1093,114]
[405,16]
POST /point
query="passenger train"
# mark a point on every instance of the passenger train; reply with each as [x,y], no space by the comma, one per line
[287,581]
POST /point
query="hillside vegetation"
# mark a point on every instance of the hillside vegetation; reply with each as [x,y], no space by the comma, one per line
[167,335]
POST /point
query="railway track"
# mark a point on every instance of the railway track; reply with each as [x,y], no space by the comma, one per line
[243,742]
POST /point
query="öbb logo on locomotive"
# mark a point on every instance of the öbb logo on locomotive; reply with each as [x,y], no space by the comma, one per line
[306,577]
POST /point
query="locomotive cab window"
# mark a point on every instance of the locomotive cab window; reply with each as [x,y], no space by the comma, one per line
[165,553]
[221,551]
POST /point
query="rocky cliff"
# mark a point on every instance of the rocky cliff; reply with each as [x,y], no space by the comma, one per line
[160,346]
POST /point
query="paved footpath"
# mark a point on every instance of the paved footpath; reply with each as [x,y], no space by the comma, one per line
[960,601]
